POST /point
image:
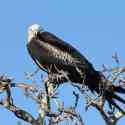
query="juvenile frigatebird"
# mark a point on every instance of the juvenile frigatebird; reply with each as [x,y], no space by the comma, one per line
[53,55]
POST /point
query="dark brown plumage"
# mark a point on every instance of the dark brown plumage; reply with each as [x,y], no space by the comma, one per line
[54,55]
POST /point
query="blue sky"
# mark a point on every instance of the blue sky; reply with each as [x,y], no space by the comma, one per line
[95,27]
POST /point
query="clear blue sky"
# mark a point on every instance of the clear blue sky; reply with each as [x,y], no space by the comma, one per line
[95,27]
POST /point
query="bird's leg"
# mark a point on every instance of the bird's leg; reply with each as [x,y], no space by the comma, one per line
[54,80]
[57,79]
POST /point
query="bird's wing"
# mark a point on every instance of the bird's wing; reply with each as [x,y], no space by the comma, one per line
[55,41]
[66,53]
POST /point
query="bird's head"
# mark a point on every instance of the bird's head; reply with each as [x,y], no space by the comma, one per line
[33,30]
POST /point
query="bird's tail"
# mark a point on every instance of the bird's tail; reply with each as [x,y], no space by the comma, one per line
[111,93]
[112,97]
[107,88]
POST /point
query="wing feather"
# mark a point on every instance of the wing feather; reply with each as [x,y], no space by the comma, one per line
[62,52]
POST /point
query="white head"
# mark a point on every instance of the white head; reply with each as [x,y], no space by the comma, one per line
[33,30]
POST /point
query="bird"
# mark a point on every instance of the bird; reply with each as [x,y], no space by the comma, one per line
[63,62]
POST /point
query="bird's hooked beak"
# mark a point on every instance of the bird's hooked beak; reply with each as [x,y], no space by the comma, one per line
[33,30]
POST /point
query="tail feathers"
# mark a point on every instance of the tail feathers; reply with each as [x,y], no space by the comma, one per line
[115,96]
[111,100]
[112,103]
[119,89]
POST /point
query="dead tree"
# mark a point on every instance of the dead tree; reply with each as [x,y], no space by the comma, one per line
[44,97]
